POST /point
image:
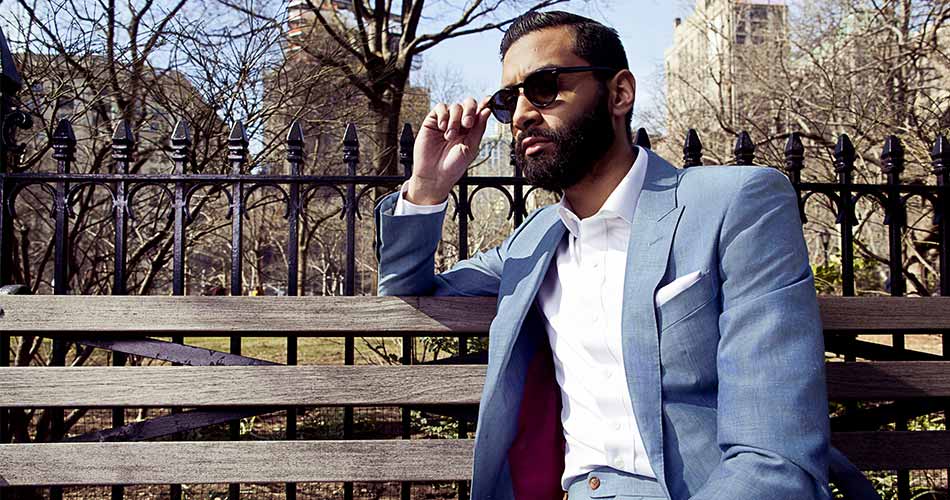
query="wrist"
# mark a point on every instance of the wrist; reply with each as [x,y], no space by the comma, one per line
[420,192]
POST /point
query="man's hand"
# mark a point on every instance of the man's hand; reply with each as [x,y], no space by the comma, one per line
[446,145]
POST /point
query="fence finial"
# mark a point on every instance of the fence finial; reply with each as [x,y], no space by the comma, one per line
[10,81]
[406,142]
[892,156]
[122,142]
[181,145]
[744,150]
[64,142]
[844,155]
[642,139]
[351,146]
[295,145]
[237,147]
[940,158]
[794,156]
[692,150]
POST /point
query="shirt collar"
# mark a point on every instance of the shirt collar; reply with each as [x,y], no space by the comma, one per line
[621,203]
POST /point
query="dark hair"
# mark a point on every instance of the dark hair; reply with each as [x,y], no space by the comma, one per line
[595,43]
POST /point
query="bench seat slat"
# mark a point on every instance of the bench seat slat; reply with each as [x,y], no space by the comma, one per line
[315,461]
[134,316]
[170,462]
[223,386]
[895,449]
[79,316]
[888,380]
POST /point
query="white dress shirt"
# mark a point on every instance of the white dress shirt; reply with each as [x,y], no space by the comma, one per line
[581,299]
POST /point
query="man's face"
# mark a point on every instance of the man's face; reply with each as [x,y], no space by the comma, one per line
[556,146]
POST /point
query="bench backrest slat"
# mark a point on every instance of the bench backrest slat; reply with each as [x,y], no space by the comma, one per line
[229,386]
[224,386]
[235,462]
[84,316]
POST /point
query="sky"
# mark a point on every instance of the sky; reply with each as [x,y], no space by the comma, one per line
[645,28]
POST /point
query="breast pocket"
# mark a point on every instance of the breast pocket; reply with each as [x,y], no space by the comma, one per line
[685,303]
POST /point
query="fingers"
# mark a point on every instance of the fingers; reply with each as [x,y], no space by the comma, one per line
[469,112]
[455,120]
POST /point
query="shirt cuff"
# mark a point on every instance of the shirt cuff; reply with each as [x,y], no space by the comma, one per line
[406,207]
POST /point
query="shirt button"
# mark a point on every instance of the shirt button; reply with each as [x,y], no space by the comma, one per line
[617,426]
[618,463]
[594,483]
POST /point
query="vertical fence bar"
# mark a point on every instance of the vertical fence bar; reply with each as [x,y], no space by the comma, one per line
[464,215]
[10,83]
[64,152]
[123,145]
[351,157]
[237,156]
[406,143]
[794,164]
[692,150]
[844,167]
[181,155]
[892,164]
[295,158]
[940,159]
[744,150]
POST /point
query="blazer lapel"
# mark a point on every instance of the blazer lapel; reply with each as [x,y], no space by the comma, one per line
[521,280]
[651,235]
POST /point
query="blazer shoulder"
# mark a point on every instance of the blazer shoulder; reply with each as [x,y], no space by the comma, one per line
[721,184]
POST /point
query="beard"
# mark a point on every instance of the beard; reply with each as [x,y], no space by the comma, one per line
[577,147]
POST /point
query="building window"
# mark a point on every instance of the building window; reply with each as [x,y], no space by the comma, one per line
[740,39]
[759,12]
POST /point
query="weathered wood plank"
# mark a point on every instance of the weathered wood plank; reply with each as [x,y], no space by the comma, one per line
[884,314]
[234,461]
[69,316]
[888,380]
[396,316]
[166,425]
[228,386]
[282,386]
[176,353]
[895,449]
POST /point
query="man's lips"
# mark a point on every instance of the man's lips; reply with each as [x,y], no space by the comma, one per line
[532,145]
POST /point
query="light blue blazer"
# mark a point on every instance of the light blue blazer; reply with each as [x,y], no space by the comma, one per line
[726,378]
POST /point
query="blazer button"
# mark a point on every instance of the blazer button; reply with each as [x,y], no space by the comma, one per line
[594,483]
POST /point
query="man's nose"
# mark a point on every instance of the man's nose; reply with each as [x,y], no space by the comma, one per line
[526,114]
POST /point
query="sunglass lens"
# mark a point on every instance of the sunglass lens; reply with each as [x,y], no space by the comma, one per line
[541,88]
[503,103]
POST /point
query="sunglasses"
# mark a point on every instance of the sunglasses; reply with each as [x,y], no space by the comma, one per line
[540,88]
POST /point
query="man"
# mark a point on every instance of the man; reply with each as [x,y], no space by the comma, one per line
[657,332]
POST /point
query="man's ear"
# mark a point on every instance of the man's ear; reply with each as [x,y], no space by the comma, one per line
[623,92]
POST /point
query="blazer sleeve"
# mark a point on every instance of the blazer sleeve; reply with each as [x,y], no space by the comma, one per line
[773,427]
[405,250]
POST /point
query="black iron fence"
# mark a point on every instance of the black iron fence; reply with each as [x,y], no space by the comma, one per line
[295,189]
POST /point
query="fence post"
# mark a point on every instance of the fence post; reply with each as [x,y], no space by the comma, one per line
[181,155]
[892,164]
[237,157]
[794,164]
[406,143]
[844,167]
[940,159]
[10,83]
[295,158]
[64,152]
[123,145]
[351,157]
[692,150]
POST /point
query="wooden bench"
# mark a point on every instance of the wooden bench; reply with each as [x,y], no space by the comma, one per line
[918,383]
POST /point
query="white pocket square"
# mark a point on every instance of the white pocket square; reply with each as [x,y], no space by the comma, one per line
[677,286]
